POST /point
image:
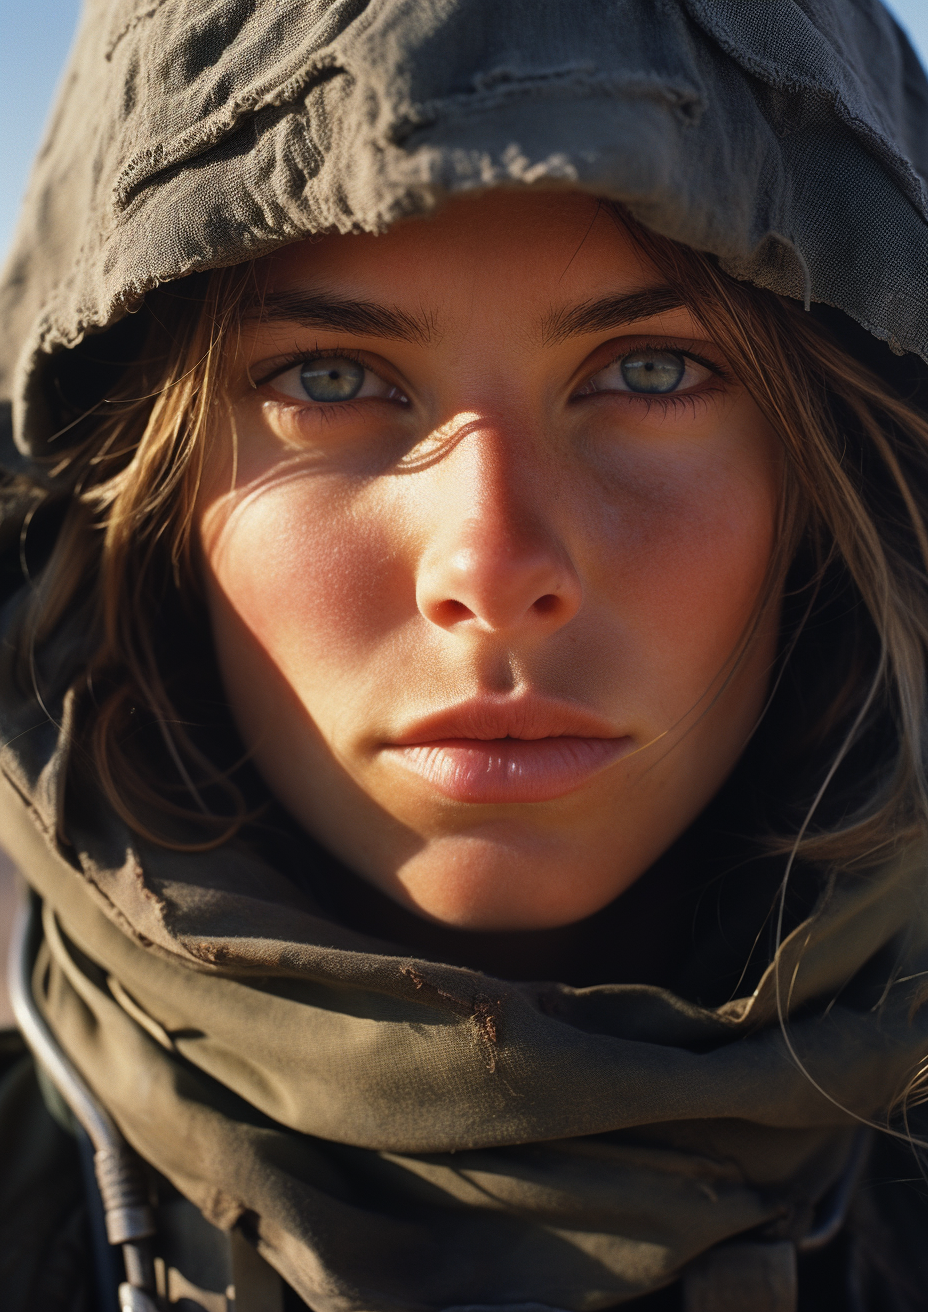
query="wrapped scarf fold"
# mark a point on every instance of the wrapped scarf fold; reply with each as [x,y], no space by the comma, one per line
[401,1134]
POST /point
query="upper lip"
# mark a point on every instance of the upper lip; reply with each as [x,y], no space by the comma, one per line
[527,717]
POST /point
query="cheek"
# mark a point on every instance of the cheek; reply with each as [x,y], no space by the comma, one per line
[308,575]
[705,563]
[689,554]
[672,553]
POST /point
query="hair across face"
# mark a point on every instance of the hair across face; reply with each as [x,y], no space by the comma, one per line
[483,543]
[492,515]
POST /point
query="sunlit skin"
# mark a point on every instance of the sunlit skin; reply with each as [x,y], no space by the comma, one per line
[495,522]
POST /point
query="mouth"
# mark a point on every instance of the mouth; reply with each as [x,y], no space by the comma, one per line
[533,750]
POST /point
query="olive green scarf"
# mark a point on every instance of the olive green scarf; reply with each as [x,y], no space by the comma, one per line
[406,1135]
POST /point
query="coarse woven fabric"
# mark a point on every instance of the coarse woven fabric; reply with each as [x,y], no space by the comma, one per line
[378,1122]
[790,139]
[399,1135]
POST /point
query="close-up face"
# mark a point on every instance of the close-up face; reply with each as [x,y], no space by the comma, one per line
[482,541]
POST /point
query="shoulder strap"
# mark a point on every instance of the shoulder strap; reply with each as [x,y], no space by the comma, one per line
[170,1251]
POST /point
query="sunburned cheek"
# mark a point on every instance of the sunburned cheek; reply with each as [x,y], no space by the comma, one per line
[309,579]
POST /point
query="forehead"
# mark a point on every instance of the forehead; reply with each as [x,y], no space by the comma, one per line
[543,247]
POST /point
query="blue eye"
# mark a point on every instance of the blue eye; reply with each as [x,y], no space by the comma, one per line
[332,379]
[653,371]
[649,371]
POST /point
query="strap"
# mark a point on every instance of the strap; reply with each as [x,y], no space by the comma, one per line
[171,1253]
[200,1267]
[257,1286]
[134,1300]
[743,1278]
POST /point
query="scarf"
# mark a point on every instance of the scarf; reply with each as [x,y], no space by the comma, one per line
[402,1134]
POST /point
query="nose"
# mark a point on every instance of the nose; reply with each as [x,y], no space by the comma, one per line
[495,560]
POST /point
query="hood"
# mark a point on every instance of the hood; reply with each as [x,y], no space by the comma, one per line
[788,138]
[374,1120]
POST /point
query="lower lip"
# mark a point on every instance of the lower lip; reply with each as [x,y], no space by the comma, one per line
[510,769]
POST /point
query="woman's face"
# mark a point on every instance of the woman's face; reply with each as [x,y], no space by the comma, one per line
[495,522]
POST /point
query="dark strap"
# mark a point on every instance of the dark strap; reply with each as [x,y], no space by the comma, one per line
[743,1278]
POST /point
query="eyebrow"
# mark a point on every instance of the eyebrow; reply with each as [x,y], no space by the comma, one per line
[609,312]
[370,319]
[341,314]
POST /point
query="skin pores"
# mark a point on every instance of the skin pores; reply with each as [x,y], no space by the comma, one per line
[481,553]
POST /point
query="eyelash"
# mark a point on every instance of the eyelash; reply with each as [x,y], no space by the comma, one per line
[665,402]
[644,345]
[320,410]
[286,362]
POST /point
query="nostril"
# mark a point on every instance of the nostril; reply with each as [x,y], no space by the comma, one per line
[546,604]
[451,612]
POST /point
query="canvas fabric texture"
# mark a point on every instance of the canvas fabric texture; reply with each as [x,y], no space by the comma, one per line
[376,1121]
[399,1134]
[787,138]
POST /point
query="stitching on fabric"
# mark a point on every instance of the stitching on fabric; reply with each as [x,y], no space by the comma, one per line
[481,1009]
[198,139]
[217,954]
[806,276]
[686,102]
[504,76]
[140,17]
[114,911]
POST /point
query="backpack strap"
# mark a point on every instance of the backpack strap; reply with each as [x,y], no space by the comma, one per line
[737,1277]
[170,1251]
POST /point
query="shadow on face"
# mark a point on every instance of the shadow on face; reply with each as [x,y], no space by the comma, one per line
[482,545]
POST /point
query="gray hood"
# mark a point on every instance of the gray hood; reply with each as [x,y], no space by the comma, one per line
[788,137]
[373,1120]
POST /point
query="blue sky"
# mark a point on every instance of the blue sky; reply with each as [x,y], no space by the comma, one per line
[34,39]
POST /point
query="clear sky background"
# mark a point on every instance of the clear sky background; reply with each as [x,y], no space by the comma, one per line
[34,39]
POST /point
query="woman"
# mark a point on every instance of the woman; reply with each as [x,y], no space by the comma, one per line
[463,674]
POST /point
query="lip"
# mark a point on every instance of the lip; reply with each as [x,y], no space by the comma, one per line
[530,750]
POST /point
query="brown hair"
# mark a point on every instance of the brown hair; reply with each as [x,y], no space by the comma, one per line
[852,532]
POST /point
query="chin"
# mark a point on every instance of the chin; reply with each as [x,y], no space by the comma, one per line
[483,883]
